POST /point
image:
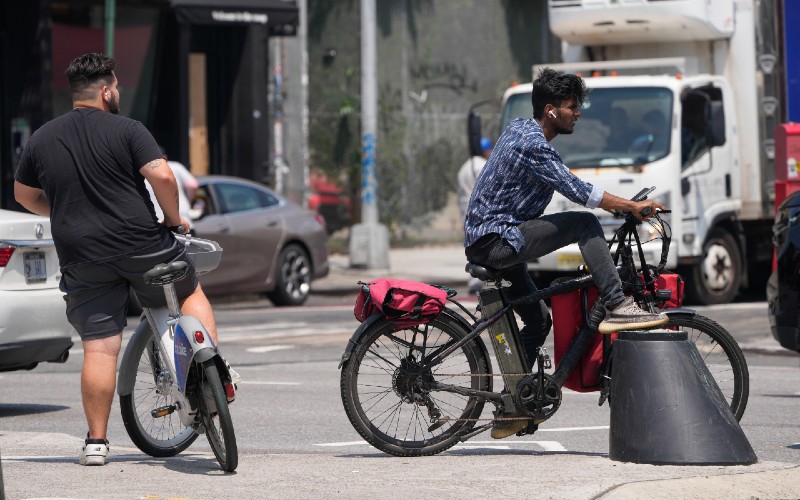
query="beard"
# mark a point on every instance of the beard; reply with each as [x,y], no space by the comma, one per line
[113,105]
[565,131]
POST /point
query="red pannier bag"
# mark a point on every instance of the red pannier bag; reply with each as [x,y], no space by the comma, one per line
[405,303]
[568,318]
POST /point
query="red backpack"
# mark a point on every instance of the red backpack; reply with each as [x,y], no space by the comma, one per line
[405,303]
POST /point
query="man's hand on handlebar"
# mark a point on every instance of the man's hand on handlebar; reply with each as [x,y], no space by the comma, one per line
[182,227]
[645,209]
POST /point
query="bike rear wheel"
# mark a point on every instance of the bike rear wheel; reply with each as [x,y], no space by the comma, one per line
[383,392]
[156,436]
[215,415]
[722,355]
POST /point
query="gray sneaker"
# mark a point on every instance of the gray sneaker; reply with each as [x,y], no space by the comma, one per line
[628,316]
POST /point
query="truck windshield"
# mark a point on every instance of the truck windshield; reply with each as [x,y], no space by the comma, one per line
[618,127]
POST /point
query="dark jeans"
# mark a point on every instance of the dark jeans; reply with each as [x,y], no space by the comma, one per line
[542,236]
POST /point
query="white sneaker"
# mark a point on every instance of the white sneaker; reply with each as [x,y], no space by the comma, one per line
[94,452]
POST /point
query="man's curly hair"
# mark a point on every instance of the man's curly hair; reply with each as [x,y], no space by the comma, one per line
[552,87]
[87,70]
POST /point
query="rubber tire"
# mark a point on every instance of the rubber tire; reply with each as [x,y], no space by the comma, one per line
[699,291]
[352,406]
[227,453]
[291,256]
[741,375]
[142,440]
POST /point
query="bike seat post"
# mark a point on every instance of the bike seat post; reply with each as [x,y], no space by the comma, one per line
[172,300]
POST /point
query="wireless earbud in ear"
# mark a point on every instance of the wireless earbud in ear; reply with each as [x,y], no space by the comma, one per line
[552,114]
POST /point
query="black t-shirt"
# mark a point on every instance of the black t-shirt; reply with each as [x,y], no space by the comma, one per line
[87,162]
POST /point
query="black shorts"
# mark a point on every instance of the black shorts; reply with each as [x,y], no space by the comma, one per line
[97,293]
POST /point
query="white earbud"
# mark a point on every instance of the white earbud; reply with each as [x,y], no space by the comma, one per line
[552,114]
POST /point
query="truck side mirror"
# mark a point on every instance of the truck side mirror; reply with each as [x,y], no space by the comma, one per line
[716,124]
[474,133]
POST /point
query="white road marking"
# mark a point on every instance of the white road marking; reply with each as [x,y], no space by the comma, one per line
[546,445]
[269,348]
[570,429]
[346,443]
[262,382]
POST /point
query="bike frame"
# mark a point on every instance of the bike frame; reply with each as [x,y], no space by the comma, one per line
[582,340]
[183,336]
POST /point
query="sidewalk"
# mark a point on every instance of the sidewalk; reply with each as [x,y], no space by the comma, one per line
[440,265]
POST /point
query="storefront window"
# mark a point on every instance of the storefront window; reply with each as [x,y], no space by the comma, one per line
[79,29]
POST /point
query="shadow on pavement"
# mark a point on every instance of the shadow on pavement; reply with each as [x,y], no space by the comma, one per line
[16,410]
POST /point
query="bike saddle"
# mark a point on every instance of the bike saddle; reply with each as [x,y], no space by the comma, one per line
[483,273]
[162,274]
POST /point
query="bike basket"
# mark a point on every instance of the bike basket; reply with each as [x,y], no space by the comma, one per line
[405,303]
[205,254]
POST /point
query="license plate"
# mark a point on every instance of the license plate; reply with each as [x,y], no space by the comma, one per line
[569,260]
[35,268]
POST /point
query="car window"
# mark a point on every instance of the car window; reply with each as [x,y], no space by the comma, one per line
[239,198]
[203,203]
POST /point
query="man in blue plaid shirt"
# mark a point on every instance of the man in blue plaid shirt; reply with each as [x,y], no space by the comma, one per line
[505,226]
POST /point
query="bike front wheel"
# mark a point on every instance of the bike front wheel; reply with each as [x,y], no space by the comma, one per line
[722,356]
[385,387]
[216,416]
[157,436]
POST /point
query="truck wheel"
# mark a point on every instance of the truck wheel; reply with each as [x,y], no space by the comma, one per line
[716,278]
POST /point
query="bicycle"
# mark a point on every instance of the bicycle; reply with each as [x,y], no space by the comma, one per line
[170,382]
[419,390]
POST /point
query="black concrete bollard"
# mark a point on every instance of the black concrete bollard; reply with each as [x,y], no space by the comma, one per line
[666,407]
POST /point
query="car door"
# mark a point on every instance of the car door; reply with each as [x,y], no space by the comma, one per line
[256,231]
[213,225]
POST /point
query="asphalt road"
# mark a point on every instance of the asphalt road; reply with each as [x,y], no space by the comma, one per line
[296,442]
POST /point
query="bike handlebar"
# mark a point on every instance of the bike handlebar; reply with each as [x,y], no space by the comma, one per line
[631,222]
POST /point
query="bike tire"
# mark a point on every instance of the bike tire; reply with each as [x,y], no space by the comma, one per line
[721,354]
[216,416]
[382,402]
[158,437]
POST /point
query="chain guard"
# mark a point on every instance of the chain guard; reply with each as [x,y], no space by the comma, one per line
[538,398]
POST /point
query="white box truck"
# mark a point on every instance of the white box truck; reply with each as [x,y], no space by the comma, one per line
[685,95]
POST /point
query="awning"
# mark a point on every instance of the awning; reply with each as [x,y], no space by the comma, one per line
[281,16]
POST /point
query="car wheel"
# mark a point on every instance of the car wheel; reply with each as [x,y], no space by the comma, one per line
[292,278]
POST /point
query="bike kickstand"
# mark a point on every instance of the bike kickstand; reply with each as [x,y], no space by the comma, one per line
[474,432]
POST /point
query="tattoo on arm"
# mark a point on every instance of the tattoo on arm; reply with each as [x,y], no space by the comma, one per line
[153,164]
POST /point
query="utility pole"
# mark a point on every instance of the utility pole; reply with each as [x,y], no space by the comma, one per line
[111,14]
[369,240]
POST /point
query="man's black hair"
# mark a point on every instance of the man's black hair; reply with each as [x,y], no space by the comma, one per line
[552,87]
[85,71]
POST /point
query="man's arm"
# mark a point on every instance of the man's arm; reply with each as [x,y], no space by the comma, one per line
[162,180]
[32,198]
[611,202]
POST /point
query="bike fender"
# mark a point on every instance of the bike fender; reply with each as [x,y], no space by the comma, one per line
[351,344]
[127,368]
[188,349]
[679,311]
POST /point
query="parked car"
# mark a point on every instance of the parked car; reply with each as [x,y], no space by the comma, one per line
[328,200]
[33,321]
[783,288]
[270,244]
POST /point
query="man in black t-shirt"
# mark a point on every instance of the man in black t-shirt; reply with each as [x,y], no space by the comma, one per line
[86,171]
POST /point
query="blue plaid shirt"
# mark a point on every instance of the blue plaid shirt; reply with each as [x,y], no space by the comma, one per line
[518,182]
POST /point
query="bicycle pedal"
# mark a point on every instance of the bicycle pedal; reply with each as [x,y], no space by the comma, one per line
[162,411]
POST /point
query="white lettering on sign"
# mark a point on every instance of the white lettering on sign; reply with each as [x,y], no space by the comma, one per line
[238,17]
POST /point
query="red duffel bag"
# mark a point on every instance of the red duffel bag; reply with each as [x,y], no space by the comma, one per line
[405,303]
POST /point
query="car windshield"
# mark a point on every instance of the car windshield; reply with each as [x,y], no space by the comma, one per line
[617,127]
